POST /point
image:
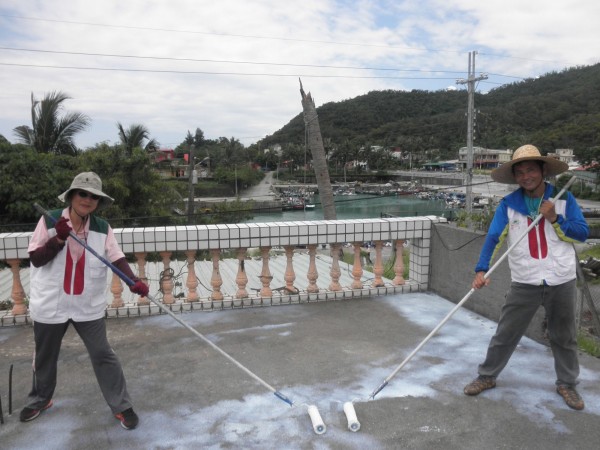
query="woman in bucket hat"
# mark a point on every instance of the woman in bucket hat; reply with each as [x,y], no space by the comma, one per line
[542,267]
[68,286]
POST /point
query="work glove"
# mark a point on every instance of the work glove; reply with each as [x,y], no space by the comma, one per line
[139,288]
[62,229]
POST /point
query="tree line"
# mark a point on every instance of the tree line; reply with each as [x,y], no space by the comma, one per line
[557,110]
[44,162]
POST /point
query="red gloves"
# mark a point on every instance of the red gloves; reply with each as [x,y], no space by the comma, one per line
[62,229]
[139,288]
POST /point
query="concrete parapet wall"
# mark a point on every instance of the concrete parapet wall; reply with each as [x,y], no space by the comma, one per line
[454,254]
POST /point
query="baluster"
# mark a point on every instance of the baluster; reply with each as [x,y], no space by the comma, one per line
[335,268]
[241,279]
[399,265]
[265,275]
[290,275]
[378,266]
[116,287]
[312,274]
[192,280]
[17,293]
[357,267]
[141,262]
[216,281]
[166,280]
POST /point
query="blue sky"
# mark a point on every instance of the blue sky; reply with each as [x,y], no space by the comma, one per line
[231,67]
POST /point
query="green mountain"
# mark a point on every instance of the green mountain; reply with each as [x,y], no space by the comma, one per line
[557,110]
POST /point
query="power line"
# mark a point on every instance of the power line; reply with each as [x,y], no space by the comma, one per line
[244,36]
[274,38]
[204,72]
[160,58]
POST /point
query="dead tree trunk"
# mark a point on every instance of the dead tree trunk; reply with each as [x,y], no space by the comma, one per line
[315,143]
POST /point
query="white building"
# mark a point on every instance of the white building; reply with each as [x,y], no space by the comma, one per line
[484,158]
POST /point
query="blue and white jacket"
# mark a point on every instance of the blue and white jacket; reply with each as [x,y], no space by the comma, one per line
[546,254]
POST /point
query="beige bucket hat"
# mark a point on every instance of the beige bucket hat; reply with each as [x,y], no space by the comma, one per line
[504,173]
[89,182]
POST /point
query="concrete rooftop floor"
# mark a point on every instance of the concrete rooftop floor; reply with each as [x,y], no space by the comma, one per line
[189,396]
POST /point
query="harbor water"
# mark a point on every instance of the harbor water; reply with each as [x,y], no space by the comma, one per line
[362,207]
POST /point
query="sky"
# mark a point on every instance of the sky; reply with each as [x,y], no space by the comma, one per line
[232,67]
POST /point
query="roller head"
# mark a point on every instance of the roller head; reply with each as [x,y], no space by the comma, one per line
[353,423]
[316,420]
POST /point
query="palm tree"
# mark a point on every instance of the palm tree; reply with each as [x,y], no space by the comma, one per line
[51,133]
[134,137]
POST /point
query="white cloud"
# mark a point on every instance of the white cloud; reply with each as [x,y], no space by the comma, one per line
[183,93]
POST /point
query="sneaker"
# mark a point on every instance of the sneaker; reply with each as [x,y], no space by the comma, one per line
[571,397]
[480,384]
[129,419]
[28,414]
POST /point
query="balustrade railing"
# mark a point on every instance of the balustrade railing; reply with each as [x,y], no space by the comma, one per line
[277,244]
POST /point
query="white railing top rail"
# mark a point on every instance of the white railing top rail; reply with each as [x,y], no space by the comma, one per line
[248,235]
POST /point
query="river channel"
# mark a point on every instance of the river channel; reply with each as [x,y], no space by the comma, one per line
[362,207]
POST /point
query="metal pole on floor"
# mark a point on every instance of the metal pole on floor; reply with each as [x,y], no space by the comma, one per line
[10,372]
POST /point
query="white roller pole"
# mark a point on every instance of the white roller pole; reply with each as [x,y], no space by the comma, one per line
[353,423]
[468,295]
[317,421]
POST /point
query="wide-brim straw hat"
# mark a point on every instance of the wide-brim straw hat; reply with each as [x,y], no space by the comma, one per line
[89,182]
[504,173]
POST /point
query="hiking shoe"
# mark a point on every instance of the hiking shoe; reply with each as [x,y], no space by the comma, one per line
[129,419]
[571,397]
[28,414]
[480,384]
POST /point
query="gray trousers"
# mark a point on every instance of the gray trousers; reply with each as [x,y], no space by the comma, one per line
[522,302]
[48,340]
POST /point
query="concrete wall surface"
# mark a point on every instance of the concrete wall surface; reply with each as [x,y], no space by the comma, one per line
[454,254]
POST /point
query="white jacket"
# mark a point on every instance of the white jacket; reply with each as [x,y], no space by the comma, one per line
[64,289]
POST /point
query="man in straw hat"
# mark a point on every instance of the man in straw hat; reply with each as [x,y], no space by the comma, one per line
[542,267]
[68,286]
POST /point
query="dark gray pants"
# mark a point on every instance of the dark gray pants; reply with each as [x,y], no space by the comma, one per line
[522,302]
[48,340]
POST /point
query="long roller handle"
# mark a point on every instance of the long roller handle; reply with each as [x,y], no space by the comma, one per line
[466,297]
[130,282]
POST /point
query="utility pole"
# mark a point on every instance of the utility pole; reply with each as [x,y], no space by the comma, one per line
[470,82]
[191,185]
[235,173]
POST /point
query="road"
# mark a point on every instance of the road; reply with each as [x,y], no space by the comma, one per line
[261,191]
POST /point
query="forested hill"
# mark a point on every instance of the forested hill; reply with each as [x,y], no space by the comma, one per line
[557,110]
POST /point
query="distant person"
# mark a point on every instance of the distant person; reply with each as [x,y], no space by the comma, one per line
[542,267]
[68,286]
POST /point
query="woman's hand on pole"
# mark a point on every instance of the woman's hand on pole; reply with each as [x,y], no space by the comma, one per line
[140,288]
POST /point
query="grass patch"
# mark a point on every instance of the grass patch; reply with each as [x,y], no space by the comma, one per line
[593,252]
[588,344]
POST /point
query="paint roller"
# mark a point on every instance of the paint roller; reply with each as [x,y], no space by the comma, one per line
[130,282]
[466,297]
[353,423]
[317,422]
